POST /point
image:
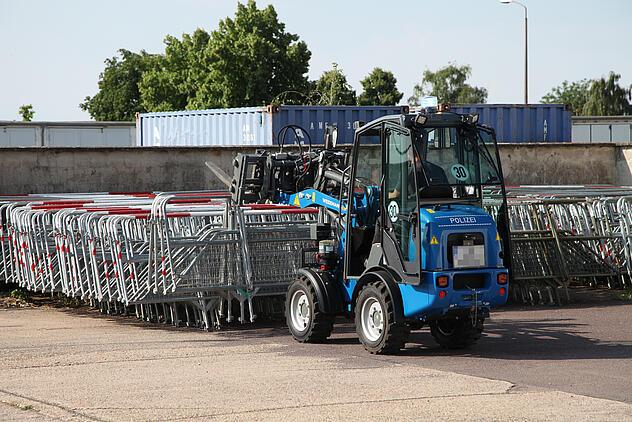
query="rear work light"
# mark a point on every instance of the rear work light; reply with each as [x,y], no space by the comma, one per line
[502,278]
[442,281]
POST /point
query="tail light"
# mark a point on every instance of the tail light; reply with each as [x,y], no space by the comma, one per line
[502,278]
[442,281]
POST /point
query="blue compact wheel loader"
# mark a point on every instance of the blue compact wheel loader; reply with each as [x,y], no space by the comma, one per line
[404,240]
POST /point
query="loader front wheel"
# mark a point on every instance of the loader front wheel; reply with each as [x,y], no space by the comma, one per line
[306,321]
[375,321]
[456,332]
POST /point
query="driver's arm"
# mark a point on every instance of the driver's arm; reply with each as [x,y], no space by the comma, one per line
[394,194]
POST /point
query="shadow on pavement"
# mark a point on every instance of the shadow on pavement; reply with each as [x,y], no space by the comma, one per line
[541,339]
[514,338]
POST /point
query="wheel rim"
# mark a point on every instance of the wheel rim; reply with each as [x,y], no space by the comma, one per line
[372,319]
[300,311]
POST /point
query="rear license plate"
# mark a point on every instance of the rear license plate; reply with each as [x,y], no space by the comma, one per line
[468,256]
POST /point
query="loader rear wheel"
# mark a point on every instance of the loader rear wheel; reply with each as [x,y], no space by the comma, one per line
[375,321]
[456,332]
[306,321]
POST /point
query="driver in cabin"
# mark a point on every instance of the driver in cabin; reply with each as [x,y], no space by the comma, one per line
[397,190]
[434,173]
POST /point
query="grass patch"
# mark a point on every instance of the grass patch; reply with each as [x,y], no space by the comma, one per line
[20,406]
[69,302]
[15,297]
[626,295]
[19,294]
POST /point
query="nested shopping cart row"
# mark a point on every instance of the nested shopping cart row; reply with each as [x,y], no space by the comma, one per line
[138,249]
[189,256]
[565,235]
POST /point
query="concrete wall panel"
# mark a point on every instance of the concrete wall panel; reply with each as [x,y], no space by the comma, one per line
[30,170]
[623,165]
[559,164]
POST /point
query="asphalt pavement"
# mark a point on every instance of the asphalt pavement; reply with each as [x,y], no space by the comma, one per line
[569,363]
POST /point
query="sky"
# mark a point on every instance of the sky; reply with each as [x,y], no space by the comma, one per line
[52,51]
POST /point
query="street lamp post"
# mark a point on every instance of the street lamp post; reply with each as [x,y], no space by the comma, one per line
[526,54]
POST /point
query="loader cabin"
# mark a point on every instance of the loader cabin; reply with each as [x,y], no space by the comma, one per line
[428,160]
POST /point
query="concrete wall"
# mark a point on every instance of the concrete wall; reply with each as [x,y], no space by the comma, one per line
[623,165]
[564,164]
[29,170]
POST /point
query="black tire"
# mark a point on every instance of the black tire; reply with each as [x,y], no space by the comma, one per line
[392,336]
[456,332]
[317,326]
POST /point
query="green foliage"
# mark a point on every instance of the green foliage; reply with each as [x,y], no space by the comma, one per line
[333,88]
[379,88]
[253,59]
[26,112]
[68,302]
[24,407]
[595,97]
[249,60]
[179,75]
[118,98]
[574,94]
[624,295]
[607,98]
[19,293]
[449,85]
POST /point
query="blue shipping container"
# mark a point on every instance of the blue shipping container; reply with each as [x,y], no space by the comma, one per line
[314,119]
[259,126]
[518,123]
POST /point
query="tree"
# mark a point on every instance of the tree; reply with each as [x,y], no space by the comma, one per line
[379,88]
[574,94]
[247,61]
[449,85]
[118,98]
[593,97]
[179,76]
[333,88]
[27,112]
[252,59]
[607,98]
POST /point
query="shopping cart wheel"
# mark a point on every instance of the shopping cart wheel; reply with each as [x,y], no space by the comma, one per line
[306,321]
